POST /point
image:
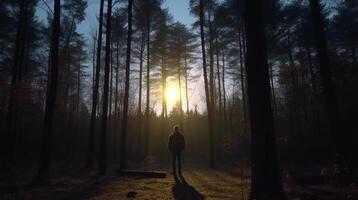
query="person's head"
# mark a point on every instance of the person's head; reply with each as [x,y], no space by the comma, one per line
[176,128]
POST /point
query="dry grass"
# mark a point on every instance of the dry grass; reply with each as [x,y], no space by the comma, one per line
[197,182]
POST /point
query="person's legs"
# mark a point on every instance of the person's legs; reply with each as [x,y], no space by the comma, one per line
[174,157]
[179,162]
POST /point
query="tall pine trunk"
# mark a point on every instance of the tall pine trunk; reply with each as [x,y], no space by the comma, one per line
[294,128]
[90,153]
[315,99]
[116,109]
[330,97]
[304,94]
[219,78]
[211,67]
[103,134]
[110,94]
[78,107]
[273,89]
[242,80]
[180,98]
[13,100]
[224,91]
[140,116]
[147,110]
[186,82]
[94,61]
[207,95]
[123,164]
[47,132]
[164,86]
[266,183]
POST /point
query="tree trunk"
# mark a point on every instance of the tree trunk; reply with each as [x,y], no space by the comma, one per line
[90,153]
[116,109]
[164,100]
[273,90]
[180,99]
[208,102]
[266,179]
[139,142]
[46,137]
[290,113]
[65,78]
[242,80]
[219,78]
[329,92]
[304,95]
[103,134]
[22,73]
[232,107]
[78,102]
[211,68]
[224,91]
[110,93]
[147,117]
[291,92]
[11,115]
[23,41]
[116,81]
[123,164]
[315,103]
[94,61]
[164,85]
[186,82]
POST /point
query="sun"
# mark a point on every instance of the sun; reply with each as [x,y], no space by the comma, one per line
[171,95]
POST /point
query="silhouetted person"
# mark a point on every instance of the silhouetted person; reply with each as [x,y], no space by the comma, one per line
[176,146]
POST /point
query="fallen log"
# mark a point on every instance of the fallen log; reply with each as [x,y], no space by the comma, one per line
[142,174]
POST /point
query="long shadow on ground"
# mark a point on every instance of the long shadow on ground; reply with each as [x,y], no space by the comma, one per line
[183,191]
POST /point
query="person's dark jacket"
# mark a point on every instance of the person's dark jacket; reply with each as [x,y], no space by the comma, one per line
[176,143]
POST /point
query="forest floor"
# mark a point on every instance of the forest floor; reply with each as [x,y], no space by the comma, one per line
[196,182]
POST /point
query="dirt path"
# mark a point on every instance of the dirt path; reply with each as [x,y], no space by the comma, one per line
[193,184]
[196,183]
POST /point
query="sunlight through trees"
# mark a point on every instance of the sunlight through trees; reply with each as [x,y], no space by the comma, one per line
[172,95]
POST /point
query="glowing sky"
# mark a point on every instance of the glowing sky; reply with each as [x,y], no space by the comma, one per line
[179,9]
